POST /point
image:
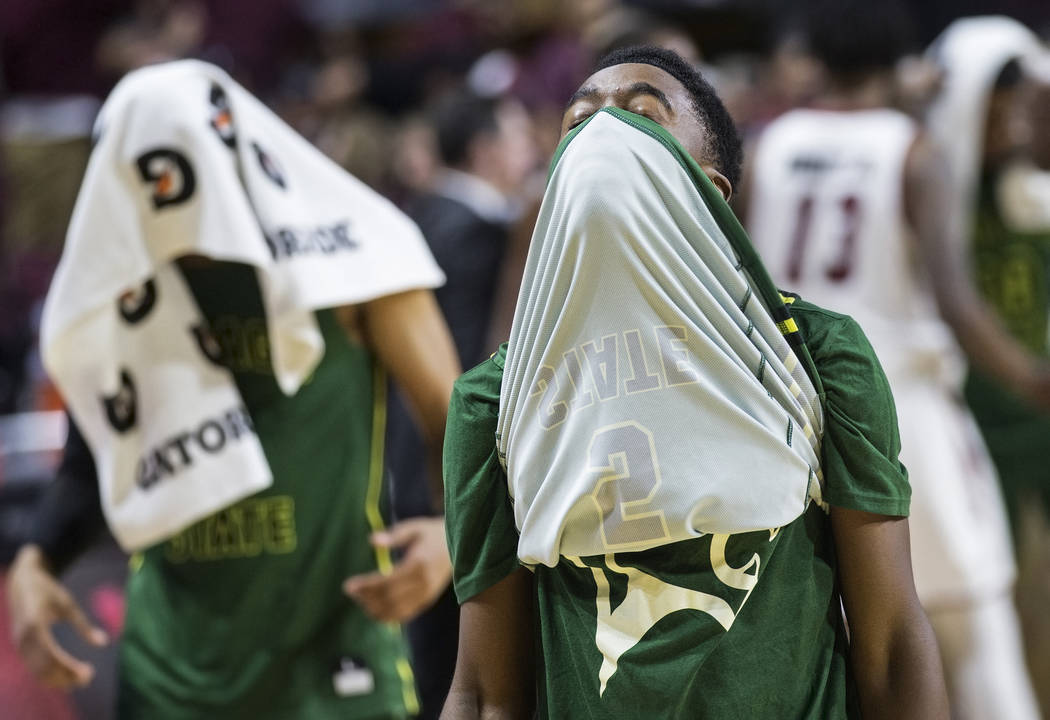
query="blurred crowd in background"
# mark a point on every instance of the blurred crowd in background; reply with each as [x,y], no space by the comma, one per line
[451,108]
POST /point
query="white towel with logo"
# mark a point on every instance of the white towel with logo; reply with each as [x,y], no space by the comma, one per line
[654,387]
[972,52]
[187,162]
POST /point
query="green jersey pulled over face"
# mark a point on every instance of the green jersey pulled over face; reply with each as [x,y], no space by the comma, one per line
[721,626]
[243,615]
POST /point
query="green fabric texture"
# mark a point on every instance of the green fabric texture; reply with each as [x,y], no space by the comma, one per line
[479,518]
[785,653]
[861,438]
[1013,274]
[243,615]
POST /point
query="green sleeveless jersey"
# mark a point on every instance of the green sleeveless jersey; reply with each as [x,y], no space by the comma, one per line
[720,626]
[242,615]
[1013,274]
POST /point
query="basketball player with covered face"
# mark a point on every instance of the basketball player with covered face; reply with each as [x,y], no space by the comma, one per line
[627,539]
[284,603]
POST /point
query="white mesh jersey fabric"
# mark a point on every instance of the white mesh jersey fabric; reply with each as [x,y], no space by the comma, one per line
[648,394]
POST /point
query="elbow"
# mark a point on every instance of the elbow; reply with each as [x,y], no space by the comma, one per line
[906,681]
[955,300]
[461,704]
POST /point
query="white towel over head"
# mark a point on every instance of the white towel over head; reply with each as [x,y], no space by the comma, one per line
[187,162]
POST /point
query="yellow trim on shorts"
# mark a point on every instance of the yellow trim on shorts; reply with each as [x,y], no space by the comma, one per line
[375,468]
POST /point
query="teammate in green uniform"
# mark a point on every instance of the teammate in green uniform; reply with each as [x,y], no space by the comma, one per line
[1011,254]
[721,626]
[243,615]
[1012,262]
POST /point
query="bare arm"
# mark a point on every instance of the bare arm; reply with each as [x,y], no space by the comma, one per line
[495,676]
[892,648]
[411,340]
[409,336]
[942,251]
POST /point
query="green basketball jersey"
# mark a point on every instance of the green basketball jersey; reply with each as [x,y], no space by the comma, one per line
[1013,273]
[242,615]
[721,626]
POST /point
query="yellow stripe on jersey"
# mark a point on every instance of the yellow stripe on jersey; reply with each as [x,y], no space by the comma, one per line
[408,686]
[787,326]
[787,299]
[375,522]
[375,469]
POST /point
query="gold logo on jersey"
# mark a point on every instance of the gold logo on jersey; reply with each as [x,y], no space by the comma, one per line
[250,528]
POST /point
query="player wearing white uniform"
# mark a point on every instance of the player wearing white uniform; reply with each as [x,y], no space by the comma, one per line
[828,218]
[844,209]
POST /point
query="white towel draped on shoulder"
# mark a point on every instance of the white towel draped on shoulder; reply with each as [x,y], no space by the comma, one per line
[187,162]
[648,395]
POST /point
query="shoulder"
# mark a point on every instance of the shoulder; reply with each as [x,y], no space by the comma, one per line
[785,131]
[823,330]
[472,417]
[861,438]
[480,385]
[847,364]
[843,356]
[479,519]
[771,137]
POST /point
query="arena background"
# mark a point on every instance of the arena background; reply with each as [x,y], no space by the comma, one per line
[360,78]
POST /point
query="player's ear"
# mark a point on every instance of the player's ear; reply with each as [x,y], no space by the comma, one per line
[721,181]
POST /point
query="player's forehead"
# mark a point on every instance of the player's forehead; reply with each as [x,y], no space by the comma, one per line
[620,82]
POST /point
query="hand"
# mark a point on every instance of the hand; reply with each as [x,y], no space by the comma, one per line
[415,582]
[37,601]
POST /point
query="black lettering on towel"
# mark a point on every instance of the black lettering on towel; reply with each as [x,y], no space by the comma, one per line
[222,116]
[135,305]
[122,407]
[171,175]
[183,449]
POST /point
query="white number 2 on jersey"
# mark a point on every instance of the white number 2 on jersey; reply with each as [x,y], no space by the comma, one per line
[628,475]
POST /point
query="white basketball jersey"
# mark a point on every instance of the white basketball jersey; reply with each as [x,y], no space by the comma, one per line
[827,216]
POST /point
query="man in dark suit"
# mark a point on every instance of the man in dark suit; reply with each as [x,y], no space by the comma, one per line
[486,153]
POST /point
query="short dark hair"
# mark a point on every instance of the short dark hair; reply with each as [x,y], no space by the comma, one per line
[856,37]
[458,118]
[1010,76]
[723,143]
